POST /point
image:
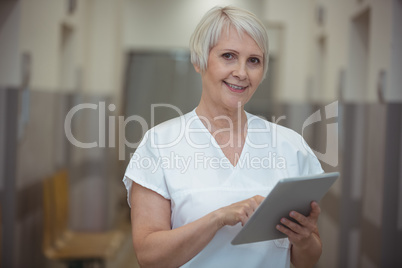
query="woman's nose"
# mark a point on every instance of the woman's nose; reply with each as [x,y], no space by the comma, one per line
[240,71]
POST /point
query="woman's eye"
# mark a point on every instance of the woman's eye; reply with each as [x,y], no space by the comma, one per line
[227,56]
[254,60]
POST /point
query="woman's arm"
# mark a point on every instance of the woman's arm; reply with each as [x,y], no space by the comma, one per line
[304,237]
[156,244]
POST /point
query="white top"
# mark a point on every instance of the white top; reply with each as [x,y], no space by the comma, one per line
[180,160]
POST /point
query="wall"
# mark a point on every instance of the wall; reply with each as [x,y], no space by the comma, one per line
[394,88]
[104,47]
[379,36]
[154,24]
[10,13]
[38,35]
[94,34]
[335,32]
[76,58]
[295,17]
[302,34]
[322,64]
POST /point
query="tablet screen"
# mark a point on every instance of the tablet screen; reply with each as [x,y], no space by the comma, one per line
[288,194]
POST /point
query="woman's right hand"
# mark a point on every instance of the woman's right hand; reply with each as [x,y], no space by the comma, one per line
[239,212]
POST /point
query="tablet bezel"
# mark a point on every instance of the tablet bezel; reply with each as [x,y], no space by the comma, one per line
[303,190]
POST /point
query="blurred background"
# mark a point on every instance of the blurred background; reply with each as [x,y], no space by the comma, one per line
[76,77]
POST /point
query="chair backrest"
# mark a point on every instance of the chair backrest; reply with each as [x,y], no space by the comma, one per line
[48,215]
[55,208]
[61,201]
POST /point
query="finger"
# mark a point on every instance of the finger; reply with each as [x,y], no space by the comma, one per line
[258,199]
[284,230]
[243,220]
[300,218]
[315,210]
[254,202]
[293,226]
[245,212]
[249,210]
[292,236]
[251,204]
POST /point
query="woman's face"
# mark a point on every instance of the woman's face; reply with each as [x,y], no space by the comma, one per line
[235,69]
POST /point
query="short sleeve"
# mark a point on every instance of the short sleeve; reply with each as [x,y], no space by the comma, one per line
[300,159]
[145,169]
[311,163]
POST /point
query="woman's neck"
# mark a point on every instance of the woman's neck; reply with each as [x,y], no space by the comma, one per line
[219,118]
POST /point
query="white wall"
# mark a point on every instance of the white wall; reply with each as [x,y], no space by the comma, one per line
[338,31]
[155,24]
[104,46]
[295,16]
[301,33]
[379,42]
[95,48]
[104,29]
[335,31]
[38,34]
[9,43]
[393,90]
[380,36]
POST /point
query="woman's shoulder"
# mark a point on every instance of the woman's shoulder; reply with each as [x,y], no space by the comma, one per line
[277,133]
[168,132]
[162,133]
[260,122]
[173,125]
[288,144]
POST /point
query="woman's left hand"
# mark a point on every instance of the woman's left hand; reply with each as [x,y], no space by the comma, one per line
[302,233]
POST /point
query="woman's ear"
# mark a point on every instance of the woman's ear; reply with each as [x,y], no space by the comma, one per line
[197,68]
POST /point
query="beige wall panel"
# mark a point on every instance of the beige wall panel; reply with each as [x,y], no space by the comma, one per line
[103,46]
[335,30]
[380,36]
[393,90]
[35,149]
[9,44]
[296,17]
[329,232]
[364,87]
[39,35]
[88,202]
[169,24]
[374,168]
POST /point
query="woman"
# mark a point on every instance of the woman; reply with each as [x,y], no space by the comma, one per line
[194,180]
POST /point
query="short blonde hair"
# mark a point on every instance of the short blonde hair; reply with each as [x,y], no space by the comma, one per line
[209,29]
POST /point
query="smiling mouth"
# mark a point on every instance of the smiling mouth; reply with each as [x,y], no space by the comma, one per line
[235,88]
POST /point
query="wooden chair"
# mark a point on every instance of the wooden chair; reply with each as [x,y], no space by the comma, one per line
[75,248]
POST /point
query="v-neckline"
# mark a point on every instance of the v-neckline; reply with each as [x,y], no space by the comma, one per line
[218,147]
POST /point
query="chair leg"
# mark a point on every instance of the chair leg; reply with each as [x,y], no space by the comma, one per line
[99,264]
[86,264]
[95,264]
[76,264]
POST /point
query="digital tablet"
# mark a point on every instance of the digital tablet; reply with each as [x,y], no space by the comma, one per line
[288,194]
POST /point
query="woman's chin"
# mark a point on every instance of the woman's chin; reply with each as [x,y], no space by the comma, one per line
[235,103]
[236,100]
